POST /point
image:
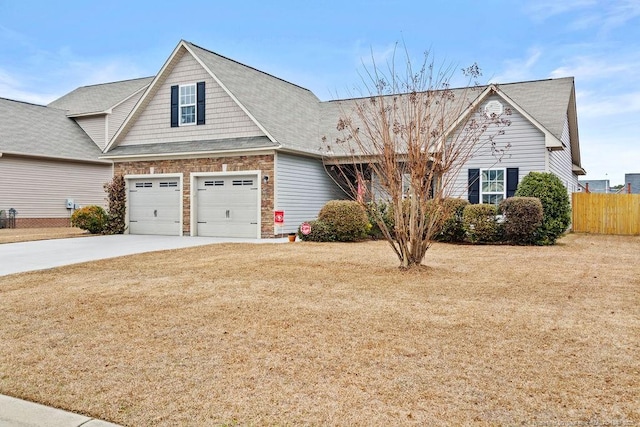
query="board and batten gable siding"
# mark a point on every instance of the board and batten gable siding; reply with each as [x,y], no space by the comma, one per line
[302,188]
[561,164]
[527,151]
[120,113]
[95,127]
[224,118]
[39,188]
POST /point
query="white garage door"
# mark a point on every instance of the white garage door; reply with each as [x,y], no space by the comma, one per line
[227,206]
[154,206]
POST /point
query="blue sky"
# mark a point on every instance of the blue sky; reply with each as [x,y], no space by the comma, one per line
[49,48]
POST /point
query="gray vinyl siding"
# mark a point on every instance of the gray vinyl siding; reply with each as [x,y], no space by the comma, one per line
[560,162]
[302,187]
[120,113]
[38,188]
[95,127]
[527,151]
[224,118]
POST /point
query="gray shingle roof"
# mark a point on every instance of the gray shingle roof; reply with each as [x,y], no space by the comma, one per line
[99,98]
[288,112]
[229,144]
[547,101]
[37,130]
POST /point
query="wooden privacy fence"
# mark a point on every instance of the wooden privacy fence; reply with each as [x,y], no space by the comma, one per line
[606,213]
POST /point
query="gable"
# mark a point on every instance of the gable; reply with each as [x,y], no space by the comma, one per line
[224,118]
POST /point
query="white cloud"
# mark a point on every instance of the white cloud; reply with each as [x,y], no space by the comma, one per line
[519,69]
[543,9]
[594,68]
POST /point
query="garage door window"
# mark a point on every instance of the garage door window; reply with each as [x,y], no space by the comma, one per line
[144,184]
[213,183]
[242,182]
[169,184]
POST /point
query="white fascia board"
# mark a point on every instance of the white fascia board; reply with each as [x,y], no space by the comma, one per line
[190,154]
[228,92]
[66,159]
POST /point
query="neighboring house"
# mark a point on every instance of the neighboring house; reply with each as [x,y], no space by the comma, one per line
[632,180]
[49,156]
[48,165]
[212,147]
[595,185]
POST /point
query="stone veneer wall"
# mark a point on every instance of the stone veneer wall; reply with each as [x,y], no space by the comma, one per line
[263,163]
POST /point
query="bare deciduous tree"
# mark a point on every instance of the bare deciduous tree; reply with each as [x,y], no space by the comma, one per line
[404,141]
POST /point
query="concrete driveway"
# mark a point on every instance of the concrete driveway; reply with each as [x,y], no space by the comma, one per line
[43,254]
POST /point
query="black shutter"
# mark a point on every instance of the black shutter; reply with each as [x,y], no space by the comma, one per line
[474,186]
[512,181]
[174,106]
[200,102]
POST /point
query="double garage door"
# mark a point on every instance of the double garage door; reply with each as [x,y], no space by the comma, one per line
[222,206]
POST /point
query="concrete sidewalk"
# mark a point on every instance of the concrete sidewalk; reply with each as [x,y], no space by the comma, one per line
[43,254]
[21,413]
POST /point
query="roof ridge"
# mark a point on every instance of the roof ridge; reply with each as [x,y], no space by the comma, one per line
[23,102]
[117,81]
[480,87]
[247,66]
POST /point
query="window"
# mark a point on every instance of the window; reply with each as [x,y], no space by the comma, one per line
[187,105]
[492,186]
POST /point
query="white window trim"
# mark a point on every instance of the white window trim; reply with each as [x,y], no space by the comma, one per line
[194,104]
[504,187]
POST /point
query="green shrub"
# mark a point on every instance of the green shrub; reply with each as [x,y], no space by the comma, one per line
[117,196]
[90,218]
[523,216]
[453,227]
[346,219]
[555,204]
[481,224]
[320,232]
[379,210]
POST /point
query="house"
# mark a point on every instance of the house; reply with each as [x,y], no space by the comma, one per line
[595,185]
[632,180]
[49,156]
[48,165]
[212,147]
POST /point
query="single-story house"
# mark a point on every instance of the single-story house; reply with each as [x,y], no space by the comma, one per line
[212,147]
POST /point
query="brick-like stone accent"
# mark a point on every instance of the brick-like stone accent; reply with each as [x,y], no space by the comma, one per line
[263,163]
[42,222]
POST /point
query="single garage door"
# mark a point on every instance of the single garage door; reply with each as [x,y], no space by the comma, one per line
[227,206]
[154,206]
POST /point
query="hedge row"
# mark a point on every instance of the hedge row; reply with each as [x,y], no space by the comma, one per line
[538,215]
[516,221]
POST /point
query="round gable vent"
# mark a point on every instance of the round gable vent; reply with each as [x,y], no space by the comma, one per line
[493,107]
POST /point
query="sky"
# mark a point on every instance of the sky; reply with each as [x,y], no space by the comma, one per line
[49,48]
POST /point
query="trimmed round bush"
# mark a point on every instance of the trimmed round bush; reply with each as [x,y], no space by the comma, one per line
[347,220]
[320,232]
[523,216]
[555,204]
[453,227]
[480,223]
[91,218]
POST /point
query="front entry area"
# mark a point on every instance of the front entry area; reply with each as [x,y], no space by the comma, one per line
[154,205]
[226,205]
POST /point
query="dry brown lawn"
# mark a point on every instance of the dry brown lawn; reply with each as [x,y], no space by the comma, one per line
[14,235]
[333,334]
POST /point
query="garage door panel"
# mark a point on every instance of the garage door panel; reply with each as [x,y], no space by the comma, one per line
[227,206]
[154,206]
